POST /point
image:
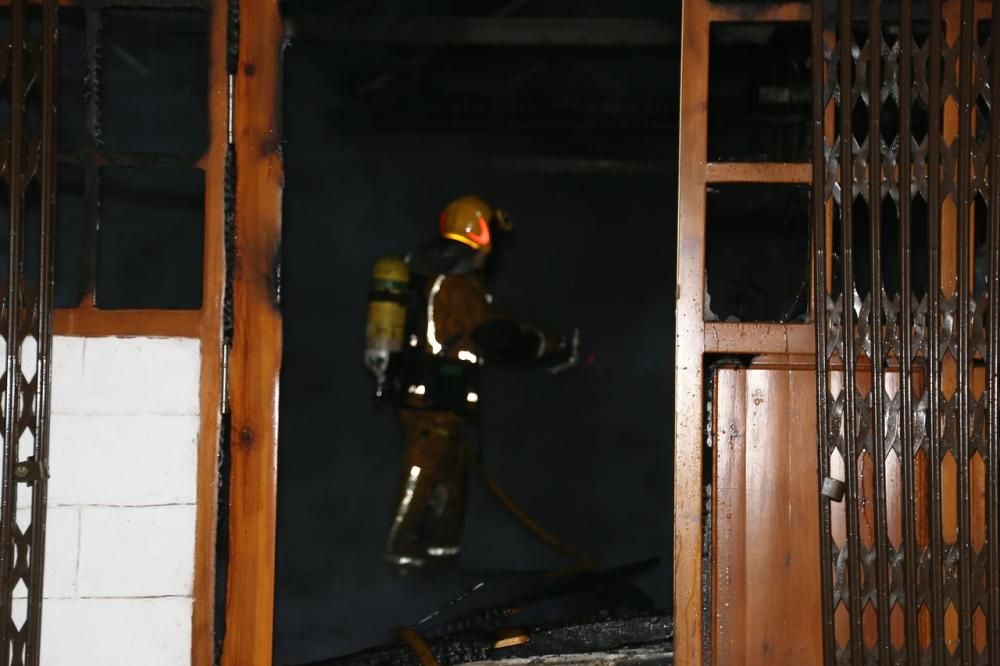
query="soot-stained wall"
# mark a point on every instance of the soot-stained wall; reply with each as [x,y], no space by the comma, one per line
[587,454]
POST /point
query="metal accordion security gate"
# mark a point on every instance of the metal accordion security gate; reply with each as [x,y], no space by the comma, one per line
[906,213]
[28,72]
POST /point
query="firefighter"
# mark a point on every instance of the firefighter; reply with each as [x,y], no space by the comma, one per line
[432,327]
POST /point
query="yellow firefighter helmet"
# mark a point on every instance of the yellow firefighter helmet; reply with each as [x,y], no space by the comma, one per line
[468,220]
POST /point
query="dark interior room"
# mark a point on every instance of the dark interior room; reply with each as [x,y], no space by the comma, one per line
[576,142]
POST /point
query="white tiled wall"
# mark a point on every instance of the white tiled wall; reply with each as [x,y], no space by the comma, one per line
[120,539]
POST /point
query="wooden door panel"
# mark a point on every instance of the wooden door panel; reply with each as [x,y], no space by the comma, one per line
[765,560]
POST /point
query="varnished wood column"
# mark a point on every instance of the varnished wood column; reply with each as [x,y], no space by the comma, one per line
[690,334]
[255,360]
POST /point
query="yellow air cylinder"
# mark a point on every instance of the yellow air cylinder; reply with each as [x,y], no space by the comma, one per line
[386,315]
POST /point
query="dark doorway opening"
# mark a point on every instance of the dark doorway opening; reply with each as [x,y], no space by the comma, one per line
[383,126]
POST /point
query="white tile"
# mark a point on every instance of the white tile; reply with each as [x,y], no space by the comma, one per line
[123,460]
[136,552]
[67,375]
[62,543]
[141,375]
[62,540]
[116,632]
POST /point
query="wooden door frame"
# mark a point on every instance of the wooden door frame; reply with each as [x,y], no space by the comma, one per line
[203,324]
[254,370]
[256,354]
[696,337]
[255,357]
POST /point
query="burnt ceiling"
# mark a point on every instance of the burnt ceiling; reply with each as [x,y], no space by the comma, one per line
[603,69]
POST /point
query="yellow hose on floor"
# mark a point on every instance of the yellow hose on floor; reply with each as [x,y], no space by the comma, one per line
[585,561]
[419,646]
